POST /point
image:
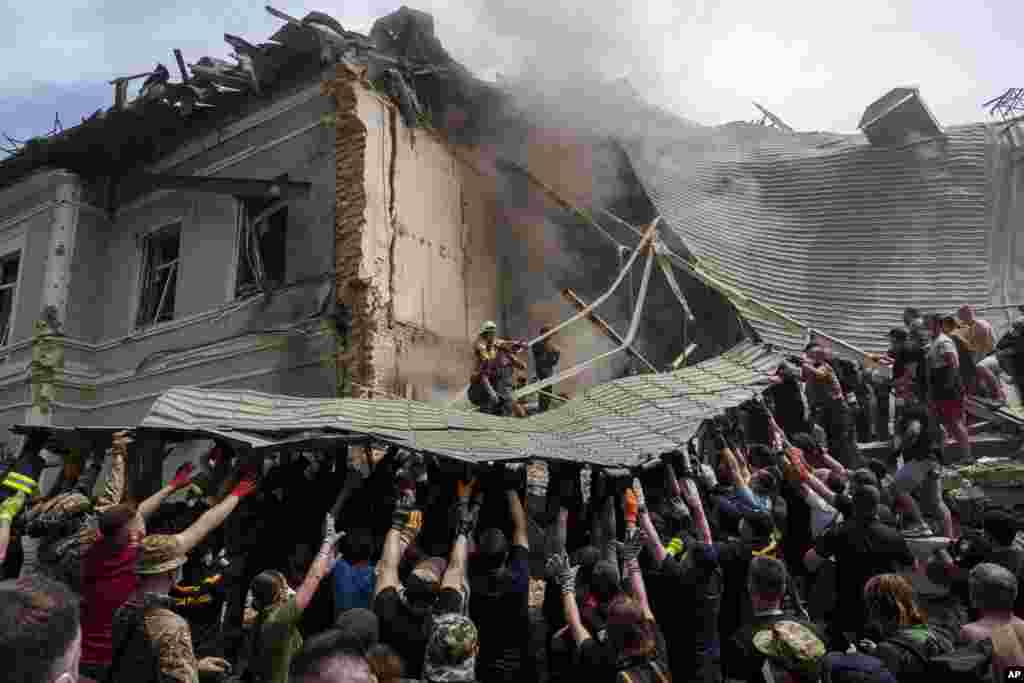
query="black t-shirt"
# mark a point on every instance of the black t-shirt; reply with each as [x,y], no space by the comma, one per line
[407,631]
[741,660]
[734,557]
[861,550]
[686,598]
[598,660]
[200,604]
[789,404]
[498,606]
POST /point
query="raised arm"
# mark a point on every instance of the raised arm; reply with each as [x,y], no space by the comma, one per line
[565,577]
[182,478]
[321,567]
[406,522]
[113,488]
[520,528]
[215,516]
[631,551]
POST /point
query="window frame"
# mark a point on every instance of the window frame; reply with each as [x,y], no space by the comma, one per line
[243,230]
[145,242]
[7,249]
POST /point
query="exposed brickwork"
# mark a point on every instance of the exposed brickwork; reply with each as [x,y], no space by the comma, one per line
[353,290]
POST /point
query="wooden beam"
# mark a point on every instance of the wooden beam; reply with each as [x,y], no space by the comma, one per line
[239,187]
[604,327]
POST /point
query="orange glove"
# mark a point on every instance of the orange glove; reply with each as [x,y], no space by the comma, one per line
[796,469]
[630,506]
[465,489]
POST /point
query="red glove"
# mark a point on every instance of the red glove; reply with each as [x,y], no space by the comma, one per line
[183,477]
[246,483]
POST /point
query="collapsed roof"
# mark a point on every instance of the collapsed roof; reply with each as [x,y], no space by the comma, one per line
[623,423]
[404,59]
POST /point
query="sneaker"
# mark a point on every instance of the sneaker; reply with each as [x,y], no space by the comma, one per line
[921,530]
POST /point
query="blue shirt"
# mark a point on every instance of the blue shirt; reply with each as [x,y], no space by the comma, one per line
[353,586]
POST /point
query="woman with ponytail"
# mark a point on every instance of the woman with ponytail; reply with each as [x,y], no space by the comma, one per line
[275,635]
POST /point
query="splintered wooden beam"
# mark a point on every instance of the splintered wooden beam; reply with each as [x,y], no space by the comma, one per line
[604,327]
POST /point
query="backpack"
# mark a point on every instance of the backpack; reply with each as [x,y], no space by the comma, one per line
[793,652]
[944,662]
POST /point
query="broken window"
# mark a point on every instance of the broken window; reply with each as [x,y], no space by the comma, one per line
[160,252]
[262,243]
[8,290]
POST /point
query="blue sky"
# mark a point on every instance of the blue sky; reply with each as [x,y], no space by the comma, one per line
[816,64]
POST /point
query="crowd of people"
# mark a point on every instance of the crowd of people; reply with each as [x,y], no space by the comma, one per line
[768,550]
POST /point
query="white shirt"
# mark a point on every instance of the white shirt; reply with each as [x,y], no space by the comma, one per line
[942,345]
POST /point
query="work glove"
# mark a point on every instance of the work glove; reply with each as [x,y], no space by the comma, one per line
[586,477]
[469,501]
[630,507]
[674,547]
[412,470]
[10,508]
[629,549]
[214,665]
[537,479]
[562,573]
[641,500]
[329,547]
[183,477]
[678,506]
[247,482]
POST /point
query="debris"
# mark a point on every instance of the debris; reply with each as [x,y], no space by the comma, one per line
[773,119]
[600,323]
[897,118]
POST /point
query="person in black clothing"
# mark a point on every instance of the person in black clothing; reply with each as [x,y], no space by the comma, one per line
[743,655]
[199,598]
[920,443]
[545,358]
[499,582]
[861,548]
[786,399]
[994,544]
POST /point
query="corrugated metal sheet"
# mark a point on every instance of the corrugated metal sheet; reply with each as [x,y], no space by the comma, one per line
[624,422]
[833,232]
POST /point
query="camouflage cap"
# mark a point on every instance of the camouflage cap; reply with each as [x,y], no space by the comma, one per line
[451,650]
[160,554]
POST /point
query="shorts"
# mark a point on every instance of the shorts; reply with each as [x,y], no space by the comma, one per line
[950,411]
[925,477]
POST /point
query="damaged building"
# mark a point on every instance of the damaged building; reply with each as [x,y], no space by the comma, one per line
[318,218]
[334,214]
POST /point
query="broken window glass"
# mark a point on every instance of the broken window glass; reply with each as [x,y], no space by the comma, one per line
[262,245]
[159,275]
[8,286]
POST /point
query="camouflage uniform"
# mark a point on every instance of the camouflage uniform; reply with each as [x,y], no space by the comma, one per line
[152,644]
[68,524]
[451,651]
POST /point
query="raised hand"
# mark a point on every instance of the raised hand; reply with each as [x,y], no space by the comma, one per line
[183,476]
[561,572]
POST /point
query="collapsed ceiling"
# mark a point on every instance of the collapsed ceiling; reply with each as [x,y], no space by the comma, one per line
[404,60]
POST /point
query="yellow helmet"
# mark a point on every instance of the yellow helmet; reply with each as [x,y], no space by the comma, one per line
[489,326]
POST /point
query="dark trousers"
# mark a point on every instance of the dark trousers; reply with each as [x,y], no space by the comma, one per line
[883,394]
[836,418]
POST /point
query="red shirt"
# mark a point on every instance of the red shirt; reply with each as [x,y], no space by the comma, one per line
[108,580]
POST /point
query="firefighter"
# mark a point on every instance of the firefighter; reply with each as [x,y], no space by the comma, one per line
[491,385]
[545,358]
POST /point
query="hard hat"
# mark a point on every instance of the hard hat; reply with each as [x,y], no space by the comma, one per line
[489,326]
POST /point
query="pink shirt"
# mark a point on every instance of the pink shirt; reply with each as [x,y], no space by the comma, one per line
[108,580]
